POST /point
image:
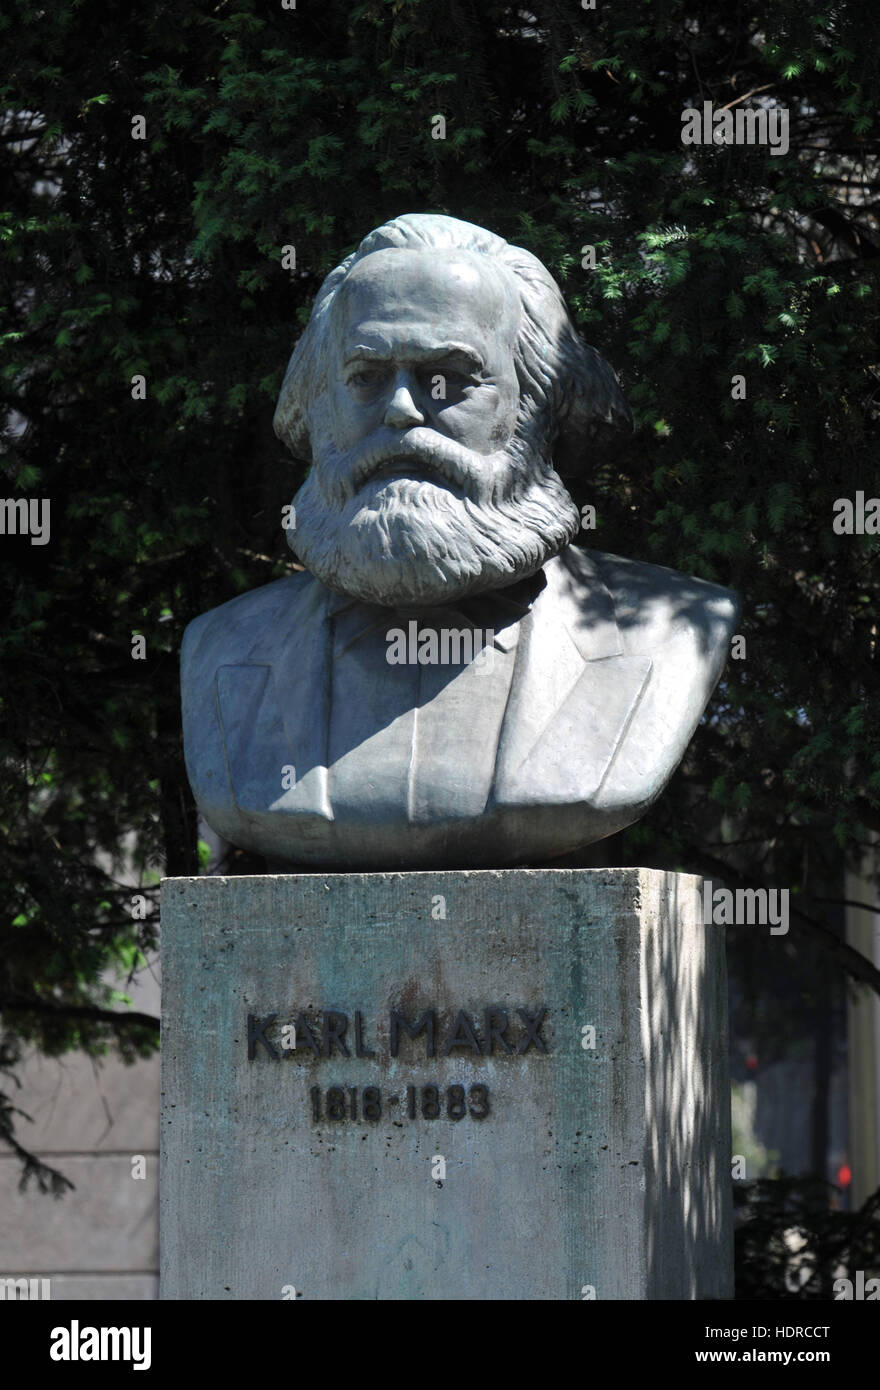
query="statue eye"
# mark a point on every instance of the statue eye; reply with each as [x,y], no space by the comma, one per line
[454,381]
[366,378]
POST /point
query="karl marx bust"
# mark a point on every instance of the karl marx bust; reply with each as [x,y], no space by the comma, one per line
[450,682]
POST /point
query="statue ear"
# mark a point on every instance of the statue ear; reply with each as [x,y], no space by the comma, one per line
[593,405]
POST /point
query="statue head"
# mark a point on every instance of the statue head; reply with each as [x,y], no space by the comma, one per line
[438,390]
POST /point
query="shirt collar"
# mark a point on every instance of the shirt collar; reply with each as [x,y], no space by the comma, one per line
[517,599]
[498,609]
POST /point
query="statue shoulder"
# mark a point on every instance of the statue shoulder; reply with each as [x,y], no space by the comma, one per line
[654,605]
[679,628]
[225,634]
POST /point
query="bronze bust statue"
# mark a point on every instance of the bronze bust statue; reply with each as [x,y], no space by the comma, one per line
[450,682]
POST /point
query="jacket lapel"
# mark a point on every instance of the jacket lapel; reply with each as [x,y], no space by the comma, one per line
[571,676]
[273,711]
[574,693]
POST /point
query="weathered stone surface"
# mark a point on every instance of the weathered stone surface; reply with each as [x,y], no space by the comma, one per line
[603,1168]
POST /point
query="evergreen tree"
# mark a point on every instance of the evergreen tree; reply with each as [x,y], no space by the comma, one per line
[159,160]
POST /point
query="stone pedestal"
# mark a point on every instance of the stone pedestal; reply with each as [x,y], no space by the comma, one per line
[504,1085]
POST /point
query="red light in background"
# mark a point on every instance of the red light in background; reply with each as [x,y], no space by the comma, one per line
[844,1175]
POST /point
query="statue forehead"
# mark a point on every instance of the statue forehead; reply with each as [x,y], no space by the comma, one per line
[438,291]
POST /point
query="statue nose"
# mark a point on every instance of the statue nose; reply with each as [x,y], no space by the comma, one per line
[402,410]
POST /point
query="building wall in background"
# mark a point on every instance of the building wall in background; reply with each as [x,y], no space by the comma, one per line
[91,1119]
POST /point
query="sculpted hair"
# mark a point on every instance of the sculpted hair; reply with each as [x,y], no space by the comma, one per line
[566,388]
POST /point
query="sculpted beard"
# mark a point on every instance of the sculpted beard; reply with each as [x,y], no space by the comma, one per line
[487,520]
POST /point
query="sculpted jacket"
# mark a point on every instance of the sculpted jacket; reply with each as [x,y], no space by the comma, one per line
[304,743]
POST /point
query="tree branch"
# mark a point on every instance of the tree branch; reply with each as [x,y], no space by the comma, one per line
[83,1011]
[857,966]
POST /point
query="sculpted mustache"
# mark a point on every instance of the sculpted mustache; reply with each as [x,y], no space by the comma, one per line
[439,455]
